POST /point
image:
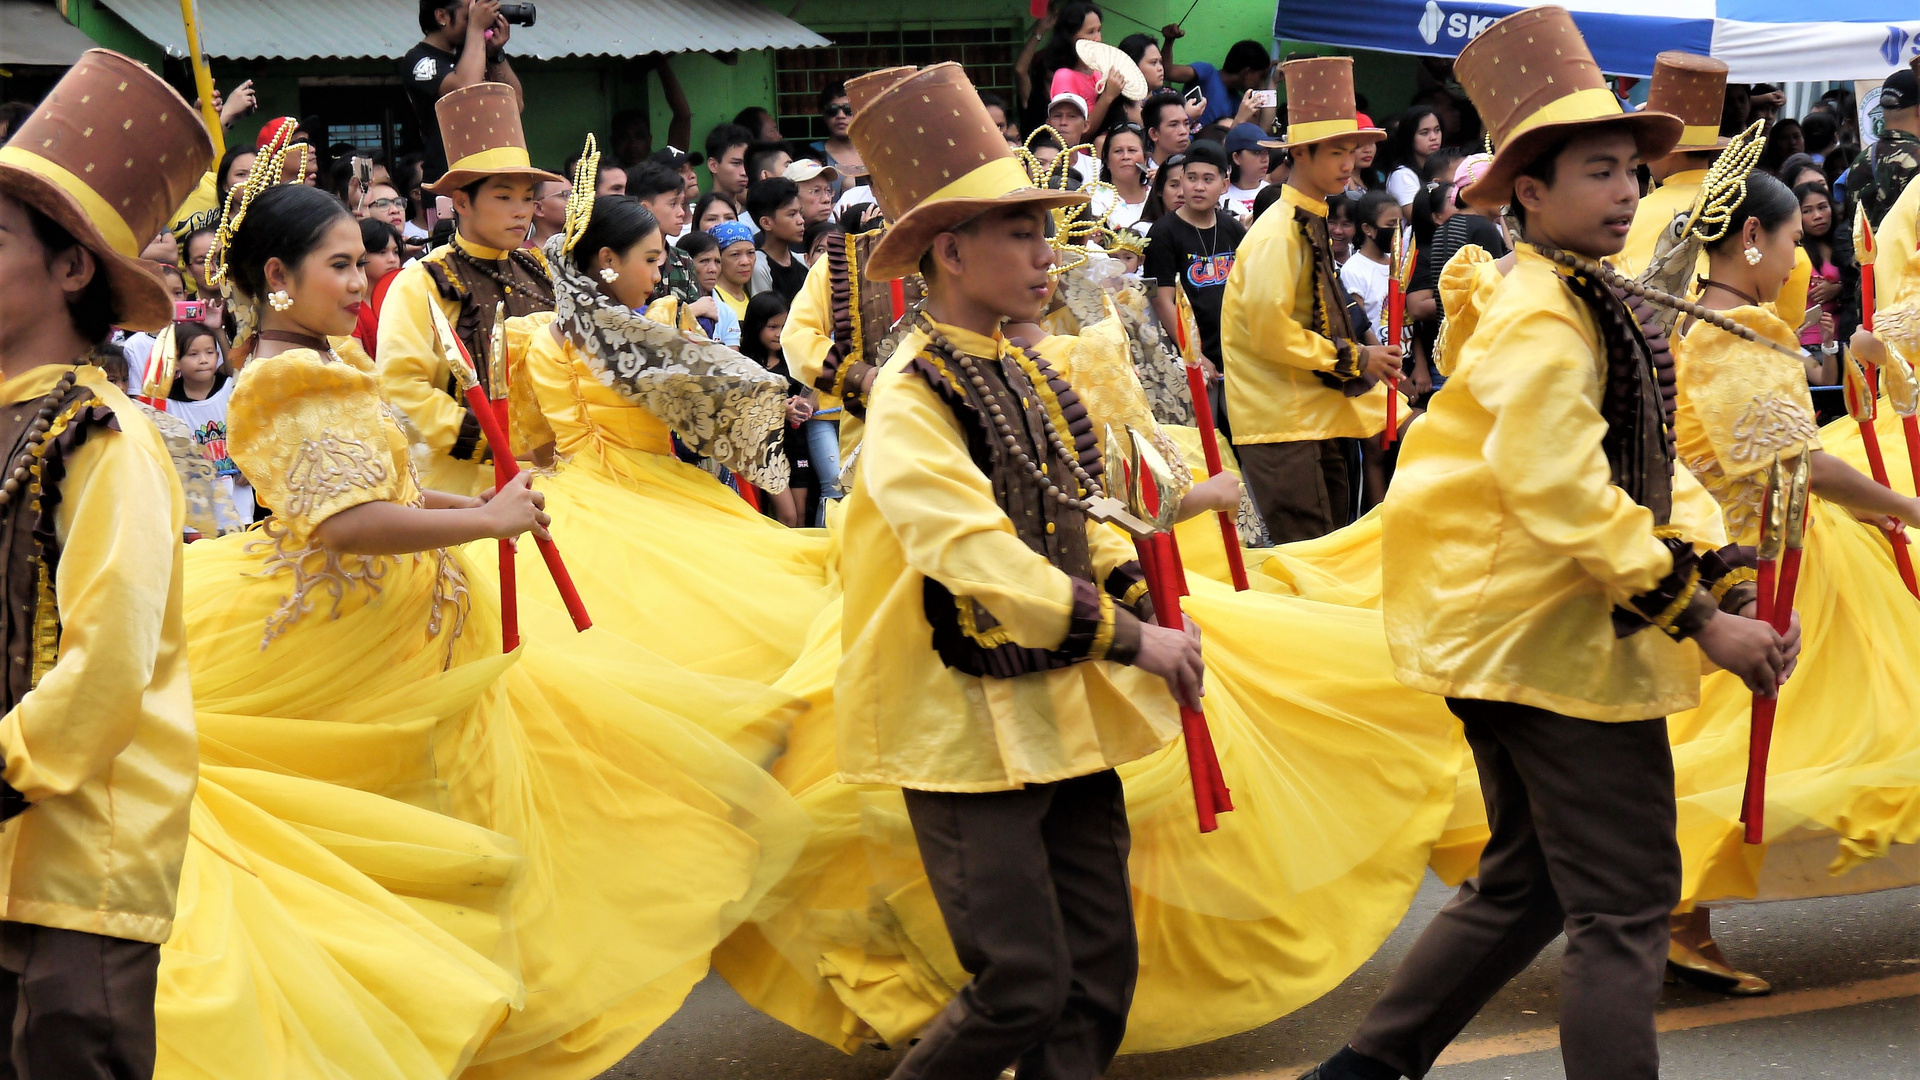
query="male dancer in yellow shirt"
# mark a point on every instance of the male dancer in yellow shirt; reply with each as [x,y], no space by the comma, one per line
[99,758]
[1535,575]
[998,663]
[493,188]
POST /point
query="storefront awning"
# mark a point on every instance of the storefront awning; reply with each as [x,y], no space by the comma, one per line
[33,34]
[350,29]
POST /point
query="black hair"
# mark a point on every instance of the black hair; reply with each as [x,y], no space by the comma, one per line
[186,242]
[1775,152]
[184,335]
[1794,166]
[1341,205]
[1060,51]
[830,93]
[430,8]
[1124,127]
[375,235]
[630,116]
[706,201]
[652,180]
[1156,207]
[759,154]
[1767,201]
[618,222]
[760,311]
[285,222]
[1153,110]
[725,137]
[1820,130]
[697,243]
[1246,54]
[1807,237]
[1398,150]
[1367,212]
[766,197]
[1135,45]
[220,185]
[338,181]
[814,231]
[994,101]
[1271,194]
[93,310]
[12,115]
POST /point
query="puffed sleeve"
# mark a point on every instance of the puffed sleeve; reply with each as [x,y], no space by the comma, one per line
[526,421]
[313,439]
[1461,301]
[1748,408]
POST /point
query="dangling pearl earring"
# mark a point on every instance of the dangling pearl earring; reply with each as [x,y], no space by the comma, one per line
[279,300]
[1753,256]
[609,275]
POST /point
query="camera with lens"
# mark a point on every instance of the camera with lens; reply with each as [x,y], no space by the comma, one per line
[518,13]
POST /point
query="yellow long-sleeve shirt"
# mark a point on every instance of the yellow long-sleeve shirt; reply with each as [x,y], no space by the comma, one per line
[1506,545]
[413,373]
[806,340]
[920,508]
[1896,269]
[1271,354]
[103,746]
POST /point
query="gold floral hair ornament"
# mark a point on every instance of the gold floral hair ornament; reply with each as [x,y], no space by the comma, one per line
[1124,239]
[1725,186]
[580,201]
[266,172]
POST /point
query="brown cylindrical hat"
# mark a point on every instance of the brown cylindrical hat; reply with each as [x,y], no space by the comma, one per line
[1534,81]
[1320,104]
[860,90]
[110,154]
[934,157]
[480,125]
[1693,88]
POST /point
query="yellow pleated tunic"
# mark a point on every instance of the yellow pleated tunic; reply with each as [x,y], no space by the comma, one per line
[411,855]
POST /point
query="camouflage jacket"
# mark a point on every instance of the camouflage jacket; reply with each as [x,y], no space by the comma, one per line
[1882,172]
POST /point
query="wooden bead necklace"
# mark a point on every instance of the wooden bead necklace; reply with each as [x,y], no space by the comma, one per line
[37,434]
[1665,299]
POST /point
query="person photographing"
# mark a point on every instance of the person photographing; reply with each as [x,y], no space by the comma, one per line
[465,44]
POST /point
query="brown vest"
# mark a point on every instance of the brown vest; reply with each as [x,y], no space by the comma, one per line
[965,635]
[867,335]
[460,280]
[29,551]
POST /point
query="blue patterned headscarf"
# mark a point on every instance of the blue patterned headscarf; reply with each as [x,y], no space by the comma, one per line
[729,233]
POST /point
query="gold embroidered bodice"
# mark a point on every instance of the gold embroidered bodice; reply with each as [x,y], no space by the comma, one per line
[1740,403]
[314,438]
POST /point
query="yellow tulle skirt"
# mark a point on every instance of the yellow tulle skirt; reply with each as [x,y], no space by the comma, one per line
[1843,794]
[1340,780]
[413,856]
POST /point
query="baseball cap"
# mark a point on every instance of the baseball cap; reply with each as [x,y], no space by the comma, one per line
[272,127]
[673,157]
[1901,90]
[1248,137]
[1069,97]
[801,170]
[1207,152]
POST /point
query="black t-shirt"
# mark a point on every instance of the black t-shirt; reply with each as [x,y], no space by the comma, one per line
[787,280]
[424,68]
[1197,260]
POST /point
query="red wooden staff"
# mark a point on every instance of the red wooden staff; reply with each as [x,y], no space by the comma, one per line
[505,467]
[1142,475]
[1863,405]
[1783,519]
[502,472]
[1865,250]
[1210,447]
[1399,264]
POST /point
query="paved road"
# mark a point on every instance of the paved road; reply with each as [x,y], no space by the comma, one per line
[1847,1004]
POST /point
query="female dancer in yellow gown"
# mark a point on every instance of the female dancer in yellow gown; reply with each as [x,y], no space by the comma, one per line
[1297,888]
[413,856]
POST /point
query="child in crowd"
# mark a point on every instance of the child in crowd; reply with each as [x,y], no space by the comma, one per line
[703,251]
[1340,227]
[774,205]
[737,262]
[760,341]
[1376,218]
[382,241]
[201,387]
[819,235]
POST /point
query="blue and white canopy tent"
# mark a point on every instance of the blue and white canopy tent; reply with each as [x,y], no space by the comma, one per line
[1760,40]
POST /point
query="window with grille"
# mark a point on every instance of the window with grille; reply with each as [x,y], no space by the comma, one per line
[987,52]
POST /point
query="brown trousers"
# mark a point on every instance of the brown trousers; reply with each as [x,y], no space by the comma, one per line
[1033,887]
[1582,815]
[75,1006]
[1302,489]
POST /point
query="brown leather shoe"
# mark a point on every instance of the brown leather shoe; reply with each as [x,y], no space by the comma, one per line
[1707,969]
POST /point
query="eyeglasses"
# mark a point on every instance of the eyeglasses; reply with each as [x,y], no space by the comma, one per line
[839,110]
[386,204]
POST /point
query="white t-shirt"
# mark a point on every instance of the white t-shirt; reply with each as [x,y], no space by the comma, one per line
[1404,184]
[208,420]
[1366,281]
[1125,214]
[1088,168]
[1240,200]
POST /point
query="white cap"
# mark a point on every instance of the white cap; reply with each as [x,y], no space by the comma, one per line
[1071,98]
[801,170]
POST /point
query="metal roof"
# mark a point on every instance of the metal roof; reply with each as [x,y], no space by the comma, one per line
[33,33]
[310,29]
